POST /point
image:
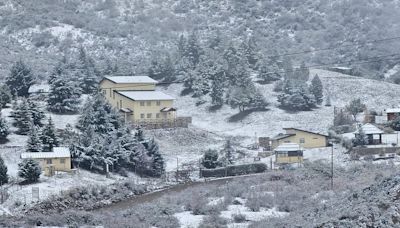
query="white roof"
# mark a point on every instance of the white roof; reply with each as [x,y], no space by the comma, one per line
[146,95]
[58,152]
[393,110]
[370,129]
[39,88]
[131,79]
[288,147]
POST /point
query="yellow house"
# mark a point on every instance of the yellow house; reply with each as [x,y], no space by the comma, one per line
[306,139]
[288,153]
[136,98]
[58,160]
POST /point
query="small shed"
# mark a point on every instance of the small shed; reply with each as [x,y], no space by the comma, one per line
[39,89]
[288,153]
[373,133]
[57,160]
[392,113]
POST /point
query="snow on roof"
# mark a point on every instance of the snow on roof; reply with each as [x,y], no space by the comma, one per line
[303,130]
[58,152]
[288,147]
[145,95]
[39,88]
[393,110]
[371,129]
[282,136]
[131,79]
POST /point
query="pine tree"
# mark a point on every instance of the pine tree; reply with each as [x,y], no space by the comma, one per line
[30,170]
[246,97]
[217,92]
[139,134]
[360,138]
[49,137]
[181,45]
[34,144]
[268,71]
[153,151]
[5,96]
[161,68]
[229,152]
[20,79]
[36,112]
[303,73]
[4,130]
[64,94]
[296,97]
[3,172]
[316,88]
[86,72]
[22,117]
[210,159]
[193,49]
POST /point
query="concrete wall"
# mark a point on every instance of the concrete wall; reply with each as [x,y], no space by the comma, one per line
[56,163]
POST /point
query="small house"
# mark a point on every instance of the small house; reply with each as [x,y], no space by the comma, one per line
[57,160]
[288,153]
[392,113]
[373,133]
[307,139]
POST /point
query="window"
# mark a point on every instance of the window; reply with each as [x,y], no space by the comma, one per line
[302,140]
[148,115]
[158,103]
[158,115]
[142,103]
[62,160]
[142,116]
[49,161]
[148,103]
[286,141]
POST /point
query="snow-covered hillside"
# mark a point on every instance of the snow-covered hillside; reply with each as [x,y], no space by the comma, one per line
[376,95]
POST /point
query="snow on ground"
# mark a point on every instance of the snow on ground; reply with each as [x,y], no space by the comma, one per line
[376,94]
[188,220]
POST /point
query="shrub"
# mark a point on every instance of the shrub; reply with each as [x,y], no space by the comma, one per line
[213,221]
[239,218]
[30,170]
[256,201]
[234,170]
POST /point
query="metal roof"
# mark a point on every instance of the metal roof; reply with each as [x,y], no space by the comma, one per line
[288,147]
[282,136]
[58,152]
[145,95]
[393,110]
[311,132]
[370,129]
[131,79]
[39,88]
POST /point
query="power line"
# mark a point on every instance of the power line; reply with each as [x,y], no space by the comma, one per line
[337,47]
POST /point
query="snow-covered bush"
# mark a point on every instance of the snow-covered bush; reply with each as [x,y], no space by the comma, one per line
[239,218]
[30,170]
[213,221]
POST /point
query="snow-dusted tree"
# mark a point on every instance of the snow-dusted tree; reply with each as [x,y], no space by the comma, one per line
[139,135]
[4,130]
[360,139]
[246,97]
[395,124]
[303,73]
[217,91]
[34,144]
[181,46]
[30,170]
[5,96]
[22,117]
[296,97]
[354,107]
[210,159]
[193,49]
[36,112]
[3,172]
[249,49]
[20,79]
[229,152]
[316,88]
[162,68]
[157,161]
[328,102]
[64,94]
[48,136]
[86,72]
[268,71]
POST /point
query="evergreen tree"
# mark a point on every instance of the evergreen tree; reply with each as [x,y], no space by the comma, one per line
[193,49]
[3,172]
[229,152]
[36,112]
[157,166]
[395,124]
[20,79]
[34,144]
[296,97]
[316,88]
[246,97]
[5,96]
[181,45]
[161,68]
[64,94]
[4,130]
[210,159]
[49,138]
[303,73]
[22,117]
[249,50]
[86,72]
[139,134]
[268,71]
[30,170]
[360,138]
[217,92]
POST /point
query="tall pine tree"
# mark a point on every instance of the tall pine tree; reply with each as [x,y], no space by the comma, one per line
[316,88]
[48,137]
[34,144]
[3,172]
[22,117]
[4,130]
[20,79]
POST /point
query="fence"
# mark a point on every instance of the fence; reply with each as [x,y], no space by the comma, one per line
[182,122]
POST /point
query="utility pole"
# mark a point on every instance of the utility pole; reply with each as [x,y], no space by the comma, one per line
[332,167]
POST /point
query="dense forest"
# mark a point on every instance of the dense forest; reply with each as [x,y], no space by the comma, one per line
[129,35]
